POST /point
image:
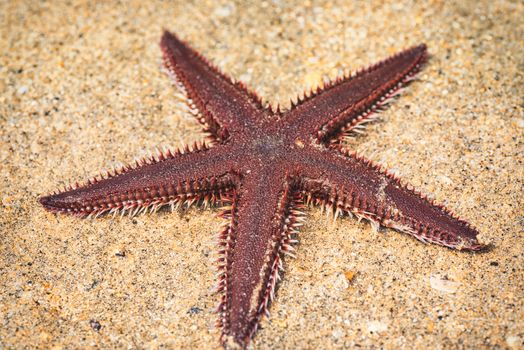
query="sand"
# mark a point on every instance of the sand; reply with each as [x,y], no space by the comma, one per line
[82,89]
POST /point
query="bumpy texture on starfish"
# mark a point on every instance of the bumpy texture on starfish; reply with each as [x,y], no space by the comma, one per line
[265,164]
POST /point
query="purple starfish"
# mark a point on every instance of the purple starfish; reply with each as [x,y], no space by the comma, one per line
[265,164]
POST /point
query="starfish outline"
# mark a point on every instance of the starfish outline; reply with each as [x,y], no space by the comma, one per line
[264,164]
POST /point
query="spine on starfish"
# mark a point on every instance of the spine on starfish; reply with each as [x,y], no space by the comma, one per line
[186,66]
[153,158]
[377,207]
[214,132]
[226,244]
[353,119]
[288,217]
[101,194]
[292,219]
[348,102]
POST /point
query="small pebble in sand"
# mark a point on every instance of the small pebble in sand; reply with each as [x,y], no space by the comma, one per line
[377,326]
[443,284]
[349,275]
[515,342]
[95,325]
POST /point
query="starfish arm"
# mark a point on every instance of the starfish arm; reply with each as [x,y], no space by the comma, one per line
[350,101]
[349,183]
[224,107]
[170,178]
[264,217]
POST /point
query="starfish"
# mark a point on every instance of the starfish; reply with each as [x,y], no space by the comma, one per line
[265,165]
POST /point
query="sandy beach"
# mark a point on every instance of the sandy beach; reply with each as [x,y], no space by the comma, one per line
[82,89]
